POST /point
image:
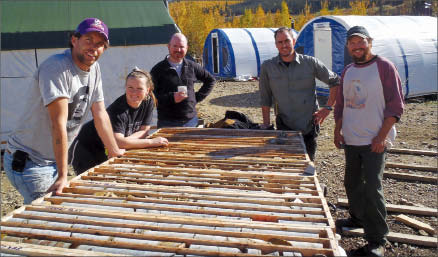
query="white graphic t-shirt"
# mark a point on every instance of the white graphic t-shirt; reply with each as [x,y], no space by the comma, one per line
[364,105]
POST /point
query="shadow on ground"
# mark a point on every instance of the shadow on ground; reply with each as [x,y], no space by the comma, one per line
[239,100]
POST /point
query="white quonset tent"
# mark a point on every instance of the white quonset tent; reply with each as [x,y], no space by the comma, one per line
[237,53]
[410,42]
[35,29]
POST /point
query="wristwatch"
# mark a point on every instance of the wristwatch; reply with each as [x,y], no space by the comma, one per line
[328,107]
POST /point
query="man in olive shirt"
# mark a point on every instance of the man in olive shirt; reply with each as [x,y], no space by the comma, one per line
[288,80]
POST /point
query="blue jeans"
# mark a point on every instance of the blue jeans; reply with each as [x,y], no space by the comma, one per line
[33,181]
[176,123]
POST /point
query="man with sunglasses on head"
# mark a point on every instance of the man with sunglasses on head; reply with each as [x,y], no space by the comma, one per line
[64,89]
[288,80]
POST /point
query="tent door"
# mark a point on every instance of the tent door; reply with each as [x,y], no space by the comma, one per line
[322,43]
[215,47]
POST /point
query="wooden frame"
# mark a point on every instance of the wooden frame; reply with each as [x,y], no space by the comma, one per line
[212,192]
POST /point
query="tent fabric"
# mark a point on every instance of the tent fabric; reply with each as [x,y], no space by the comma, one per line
[240,51]
[19,65]
[410,42]
[47,24]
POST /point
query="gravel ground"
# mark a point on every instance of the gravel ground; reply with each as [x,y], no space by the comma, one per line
[416,130]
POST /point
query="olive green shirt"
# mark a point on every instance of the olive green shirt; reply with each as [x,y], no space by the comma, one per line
[293,88]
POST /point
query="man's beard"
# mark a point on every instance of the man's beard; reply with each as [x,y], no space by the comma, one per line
[359,59]
[362,58]
[81,58]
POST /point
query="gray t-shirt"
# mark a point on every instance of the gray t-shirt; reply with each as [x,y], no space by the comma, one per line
[56,77]
[176,66]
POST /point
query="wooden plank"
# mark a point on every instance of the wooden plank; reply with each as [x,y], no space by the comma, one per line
[42,250]
[411,167]
[197,143]
[232,155]
[274,188]
[278,161]
[408,176]
[271,208]
[227,213]
[224,165]
[194,197]
[397,237]
[412,151]
[213,222]
[201,167]
[111,244]
[306,251]
[200,191]
[325,207]
[415,223]
[199,177]
[214,232]
[245,133]
[225,243]
[200,144]
[401,208]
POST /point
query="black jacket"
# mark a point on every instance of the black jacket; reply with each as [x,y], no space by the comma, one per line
[166,82]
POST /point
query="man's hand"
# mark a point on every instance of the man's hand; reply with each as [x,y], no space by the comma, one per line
[320,115]
[58,186]
[116,153]
[179,96]
[338,139]
[377,145]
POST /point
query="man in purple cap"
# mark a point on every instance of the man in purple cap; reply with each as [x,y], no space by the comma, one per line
[368,104]
[64,89]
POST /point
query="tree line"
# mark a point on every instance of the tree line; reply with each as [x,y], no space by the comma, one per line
[197,18]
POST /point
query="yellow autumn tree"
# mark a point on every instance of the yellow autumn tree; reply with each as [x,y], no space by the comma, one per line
[259,18]
[235,22]
[337,11]
[197,18]
[211,21]
[324,8]
[195,28]
[284,14]
[359,7]
[269,20]
[277,18]
[247,18]
[303,17]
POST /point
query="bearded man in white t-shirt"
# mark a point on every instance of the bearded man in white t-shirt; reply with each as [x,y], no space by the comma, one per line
[368,104]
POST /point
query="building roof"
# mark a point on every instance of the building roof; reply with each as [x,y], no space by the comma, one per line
[46,23]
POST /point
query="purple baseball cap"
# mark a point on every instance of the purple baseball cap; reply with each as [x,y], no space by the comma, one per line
[93,24]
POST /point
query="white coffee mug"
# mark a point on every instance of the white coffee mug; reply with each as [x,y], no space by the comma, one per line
[182,89]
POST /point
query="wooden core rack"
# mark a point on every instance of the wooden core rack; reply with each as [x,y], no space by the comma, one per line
[211,192]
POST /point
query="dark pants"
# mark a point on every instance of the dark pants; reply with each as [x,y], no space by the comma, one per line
[193,122]
[83,157]
[309,138]
[363,184]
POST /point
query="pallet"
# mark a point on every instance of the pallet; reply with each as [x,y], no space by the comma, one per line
[212,192]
